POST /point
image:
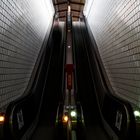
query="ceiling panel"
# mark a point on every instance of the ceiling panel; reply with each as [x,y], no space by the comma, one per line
[62,5]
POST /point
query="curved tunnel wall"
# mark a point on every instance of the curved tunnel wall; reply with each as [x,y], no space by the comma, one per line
[115,25]
[23,26]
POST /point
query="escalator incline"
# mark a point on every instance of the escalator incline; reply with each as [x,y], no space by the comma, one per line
[46,126]
[85,85]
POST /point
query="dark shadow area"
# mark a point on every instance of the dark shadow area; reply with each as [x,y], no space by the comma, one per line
[52,88]
[85,87]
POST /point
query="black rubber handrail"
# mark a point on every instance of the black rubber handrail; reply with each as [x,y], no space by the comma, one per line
[21,113]
[75,67]
[74,62]
[63,63]
[121,107]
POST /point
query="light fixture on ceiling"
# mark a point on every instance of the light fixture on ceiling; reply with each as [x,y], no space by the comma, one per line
[69,8]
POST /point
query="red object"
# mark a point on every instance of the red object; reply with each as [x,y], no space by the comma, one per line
[69,70]
[69,81]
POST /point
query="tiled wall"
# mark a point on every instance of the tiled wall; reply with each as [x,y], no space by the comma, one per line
[23,25]
[115,25]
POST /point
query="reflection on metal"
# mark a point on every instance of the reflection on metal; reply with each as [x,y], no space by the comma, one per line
[118,120]
[73,135]
[20,119]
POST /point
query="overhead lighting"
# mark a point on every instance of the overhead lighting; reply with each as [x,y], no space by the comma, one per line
[69,47]
[69,9]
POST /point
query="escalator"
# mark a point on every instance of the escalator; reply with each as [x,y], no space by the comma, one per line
[106,115]
[100,115]
[33,116]
[85,87]
[52,88]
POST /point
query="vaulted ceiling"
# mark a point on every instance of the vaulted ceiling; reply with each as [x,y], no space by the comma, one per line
[61,8]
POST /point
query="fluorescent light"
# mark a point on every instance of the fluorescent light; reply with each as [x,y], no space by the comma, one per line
[69,9]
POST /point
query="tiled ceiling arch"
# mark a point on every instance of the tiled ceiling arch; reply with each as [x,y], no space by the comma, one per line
[61,7]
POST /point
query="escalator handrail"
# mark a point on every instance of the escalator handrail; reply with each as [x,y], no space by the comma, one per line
[75,65]
[31,91]
[64,61]
[108,91]
[107,84]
